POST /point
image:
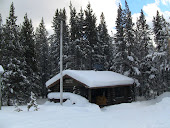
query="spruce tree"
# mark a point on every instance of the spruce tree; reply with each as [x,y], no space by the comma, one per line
[12,61]
[143,48]
[31,70]
[33,102]
[73,24]
[131,68]
[54,45]
[1,37]
[42,55]
[55,42]
[77,42]
[119,61]
[105,51]
[91,37]
[161,55]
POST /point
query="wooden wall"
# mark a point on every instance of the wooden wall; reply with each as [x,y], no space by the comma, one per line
[111,93]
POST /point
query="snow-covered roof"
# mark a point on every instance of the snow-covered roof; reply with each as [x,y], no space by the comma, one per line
[93,78]
[1,69]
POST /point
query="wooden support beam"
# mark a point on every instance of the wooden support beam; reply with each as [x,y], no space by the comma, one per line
[89,95]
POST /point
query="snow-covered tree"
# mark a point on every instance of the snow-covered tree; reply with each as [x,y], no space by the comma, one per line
[124,60]
[55,42]
[1,37]
[12,61]
[31,70]
[17,109]
[161,54]
[42,55]
[33,102]
[77,41]
[92,48]
[120,44]
[105,46]
[143,47]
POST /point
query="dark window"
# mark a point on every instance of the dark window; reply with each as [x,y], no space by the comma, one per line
[68,81]
[119,92]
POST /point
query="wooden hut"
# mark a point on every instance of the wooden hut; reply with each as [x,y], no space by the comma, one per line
[100,87]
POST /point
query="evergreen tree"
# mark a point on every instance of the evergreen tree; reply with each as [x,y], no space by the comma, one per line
[119,61]
[131,68]
[77,42]
[31,69]
[1,38]
[143,48]
[66,44]
[91,37]
[73,24]
[161,55]
[33,102]
[104,43]
[42,55]
[17,109]
[54,45]
[55,42]
[12,61]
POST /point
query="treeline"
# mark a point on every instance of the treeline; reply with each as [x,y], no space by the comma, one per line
[31,57]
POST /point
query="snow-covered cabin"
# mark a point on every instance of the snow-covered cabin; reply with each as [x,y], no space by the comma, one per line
[100,87]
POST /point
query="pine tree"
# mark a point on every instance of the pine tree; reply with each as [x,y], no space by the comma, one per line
[73,38]
[12,61]
[33,102]
[17,109]
[73,24]
[161,55]
[55,42]
[130,67]
[91,37]
[104,44]
[42,55]
[1,37]
[66,45]
[77,42]
[143,49]
[119,61]
[28,41]
[82,49]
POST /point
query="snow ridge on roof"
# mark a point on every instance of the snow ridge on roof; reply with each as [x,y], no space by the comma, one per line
[93,78]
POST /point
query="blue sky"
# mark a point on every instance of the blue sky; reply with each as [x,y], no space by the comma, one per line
[136,5]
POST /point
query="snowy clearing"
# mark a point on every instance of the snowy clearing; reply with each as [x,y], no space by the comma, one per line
[145,114]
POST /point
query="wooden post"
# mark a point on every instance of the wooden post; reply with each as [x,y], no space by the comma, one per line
[89,95]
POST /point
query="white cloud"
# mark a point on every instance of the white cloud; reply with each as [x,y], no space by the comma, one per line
[135,16]
[37,9]
[150,11]
[165,2]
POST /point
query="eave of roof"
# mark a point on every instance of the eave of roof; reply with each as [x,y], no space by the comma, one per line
[89,83]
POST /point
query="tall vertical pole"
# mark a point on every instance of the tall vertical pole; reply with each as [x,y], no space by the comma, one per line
[61,62]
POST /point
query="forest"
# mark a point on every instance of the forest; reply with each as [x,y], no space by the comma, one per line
[31,56]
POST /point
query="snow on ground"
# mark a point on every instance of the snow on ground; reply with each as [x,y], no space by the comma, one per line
[72,98]
[145,114]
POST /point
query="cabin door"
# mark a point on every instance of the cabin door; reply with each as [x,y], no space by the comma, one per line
[100,96]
